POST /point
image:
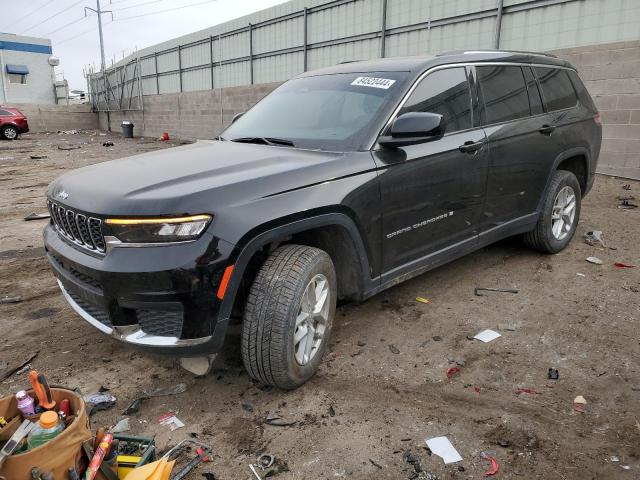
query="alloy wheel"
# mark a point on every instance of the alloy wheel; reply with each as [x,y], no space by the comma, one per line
[563,212]
[312,319]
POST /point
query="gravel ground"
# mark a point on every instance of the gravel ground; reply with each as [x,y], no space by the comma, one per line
[382,388]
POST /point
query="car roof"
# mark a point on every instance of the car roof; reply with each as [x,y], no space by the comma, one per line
[417,65]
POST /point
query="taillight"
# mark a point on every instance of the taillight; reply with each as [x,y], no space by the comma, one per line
[597,119]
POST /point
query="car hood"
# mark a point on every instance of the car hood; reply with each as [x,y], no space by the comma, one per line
[195,178]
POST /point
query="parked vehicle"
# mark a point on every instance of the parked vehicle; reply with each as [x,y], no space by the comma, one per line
[12,123]
[339,184]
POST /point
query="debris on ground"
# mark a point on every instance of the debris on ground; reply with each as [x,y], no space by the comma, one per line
[627,205]
[164,137]
[69,147]
[477,290]
[626,186]
[68,132]
[266,460]
[580,399]
[247,407]
[393,349]
[158,392]
[20,368]
[37,216]
[442,447]
[361,343]
[170,420]
[594,260]
[487,336]
[37,157]
[528,390]
[108,144]
[277,421]
[594,238]
[121,427]
[553,374]
[8,299]
[494,464]
[451,371]
[99,401]
[375,464]
[623,265]
[423,300]
[412,460]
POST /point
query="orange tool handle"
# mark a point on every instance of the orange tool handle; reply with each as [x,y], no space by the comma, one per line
[41,389]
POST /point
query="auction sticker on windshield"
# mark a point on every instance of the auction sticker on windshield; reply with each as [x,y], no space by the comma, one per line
[383,83]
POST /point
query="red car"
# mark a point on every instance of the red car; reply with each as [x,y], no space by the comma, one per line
[12,123]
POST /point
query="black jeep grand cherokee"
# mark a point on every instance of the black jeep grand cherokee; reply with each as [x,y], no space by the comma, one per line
[341,183]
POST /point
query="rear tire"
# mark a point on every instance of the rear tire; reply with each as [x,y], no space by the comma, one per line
[9,132]
[288,316]
[559,216]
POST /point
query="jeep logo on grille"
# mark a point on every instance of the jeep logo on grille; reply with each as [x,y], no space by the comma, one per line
[63,195]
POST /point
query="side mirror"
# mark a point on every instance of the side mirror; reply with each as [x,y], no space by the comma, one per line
[236,117]
[412,128]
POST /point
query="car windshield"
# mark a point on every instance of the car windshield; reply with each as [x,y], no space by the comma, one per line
[327,112]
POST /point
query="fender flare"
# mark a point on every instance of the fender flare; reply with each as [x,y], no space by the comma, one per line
[571,152]
[273,234]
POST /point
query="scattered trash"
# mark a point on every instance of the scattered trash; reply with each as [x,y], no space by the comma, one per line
[423,300]
[451,371]
[108,144]
[627,205]
[436,338]
[441,446]
[251,467]
[209,476]
[614,459]
[3,365]
[580,399]
[412,460]
[504,443]
[361,343]
[68,132]
[626,186]
[580,274]
[553,374]
[170,420]
[332,411]
[201,456]
[487,336]
[624,265]
[530,391]
[164,137]
[6,158]
[277,421]
[99,401]
[158,392]
[120,427]
[476,389]
[69,147]
[375,464]
[38,157]
[247,407]
[37,216]
[266,460]
[594,238]
[20,368]
[7,299]
[594,260]
[494,464]
[393,349]
[477,290]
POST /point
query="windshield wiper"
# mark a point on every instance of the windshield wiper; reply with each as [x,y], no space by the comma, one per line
[265,140]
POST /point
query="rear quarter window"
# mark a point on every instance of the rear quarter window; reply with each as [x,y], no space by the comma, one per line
[557,90]
[582,92]
[5,113]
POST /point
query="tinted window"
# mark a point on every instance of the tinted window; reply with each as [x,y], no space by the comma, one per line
[556,87]
[532,89]
[579,87]
[327,112]
[445,92]
[504,93]
[4,113]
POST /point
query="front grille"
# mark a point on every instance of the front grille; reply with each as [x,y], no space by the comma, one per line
[96,312]
[160,322]
[82,230]
[82,277]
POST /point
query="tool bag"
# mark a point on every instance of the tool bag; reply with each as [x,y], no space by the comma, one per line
[58,454]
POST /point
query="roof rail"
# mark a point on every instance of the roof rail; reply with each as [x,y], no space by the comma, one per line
[464,52]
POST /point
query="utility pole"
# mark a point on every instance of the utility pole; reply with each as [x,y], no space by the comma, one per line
[98,11]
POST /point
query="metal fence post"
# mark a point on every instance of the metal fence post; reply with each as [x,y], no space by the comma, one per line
[155,60]
[496,43]
[211,54]
[383,29]
[250,54]
[304,34]
[180,66]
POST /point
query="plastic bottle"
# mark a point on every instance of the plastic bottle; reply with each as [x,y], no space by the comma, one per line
[26,404]
[47,428]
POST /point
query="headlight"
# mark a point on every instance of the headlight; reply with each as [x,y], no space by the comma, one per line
[158,230]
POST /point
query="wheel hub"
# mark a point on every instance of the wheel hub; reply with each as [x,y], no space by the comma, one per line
[563,213]
[311,322]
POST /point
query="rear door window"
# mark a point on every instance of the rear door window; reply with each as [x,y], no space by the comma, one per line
[445,92]
[4,113]
[535,101]
[504,94]
[557,91]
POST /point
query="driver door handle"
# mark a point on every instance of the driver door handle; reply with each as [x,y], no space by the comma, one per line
[547,129]
[470,146]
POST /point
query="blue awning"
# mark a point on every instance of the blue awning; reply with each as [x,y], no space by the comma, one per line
[18,69]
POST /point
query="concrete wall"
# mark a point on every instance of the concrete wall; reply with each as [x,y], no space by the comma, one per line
[188,114]
[611,73]
[51,118]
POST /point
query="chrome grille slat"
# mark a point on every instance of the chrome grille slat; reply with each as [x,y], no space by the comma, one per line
[82,230]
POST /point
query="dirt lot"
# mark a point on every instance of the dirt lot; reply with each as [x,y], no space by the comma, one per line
[369,405]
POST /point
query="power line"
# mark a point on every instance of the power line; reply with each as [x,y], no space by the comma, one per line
[52,16]
[164,11]
[31,12]
[138,5]
[64,26]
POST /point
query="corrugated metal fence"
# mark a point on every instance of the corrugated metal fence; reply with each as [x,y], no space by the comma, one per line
[301,35]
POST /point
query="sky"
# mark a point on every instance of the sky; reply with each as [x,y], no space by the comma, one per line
[75,38]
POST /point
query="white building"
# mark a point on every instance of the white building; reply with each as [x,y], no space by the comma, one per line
[26,70]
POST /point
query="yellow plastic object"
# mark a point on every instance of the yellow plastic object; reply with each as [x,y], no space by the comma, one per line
[423,300]
[126,463]
[158,470]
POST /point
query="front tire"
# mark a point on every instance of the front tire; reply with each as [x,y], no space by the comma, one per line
[9,132]
[559,216]
[288,316]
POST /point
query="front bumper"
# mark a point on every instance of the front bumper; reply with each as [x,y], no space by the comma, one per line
[160,299]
